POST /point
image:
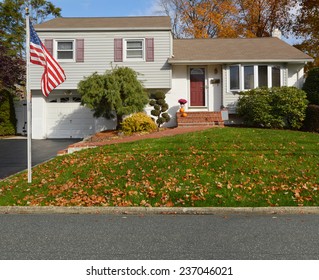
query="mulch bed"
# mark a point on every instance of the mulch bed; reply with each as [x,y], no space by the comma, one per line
[115,136]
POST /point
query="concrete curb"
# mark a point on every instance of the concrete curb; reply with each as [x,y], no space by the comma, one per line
[157,210]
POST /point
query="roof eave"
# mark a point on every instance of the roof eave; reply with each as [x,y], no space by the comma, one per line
[227,61]
[102,29]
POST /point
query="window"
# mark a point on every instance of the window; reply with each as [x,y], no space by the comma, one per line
[234,77]
[262,76]
[275,73]
[135,49]
[245,77]
[65,50]
[65,99]
[248,77]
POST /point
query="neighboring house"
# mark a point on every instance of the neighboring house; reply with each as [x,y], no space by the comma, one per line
[208,73]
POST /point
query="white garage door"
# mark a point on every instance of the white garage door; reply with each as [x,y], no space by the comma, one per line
[66,118]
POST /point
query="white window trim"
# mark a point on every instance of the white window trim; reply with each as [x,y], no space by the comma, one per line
[56,49]
[281,71]
[125,49]
[243,76]
[240,75]
[256,82]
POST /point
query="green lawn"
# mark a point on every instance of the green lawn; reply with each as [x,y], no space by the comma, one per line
[216,167]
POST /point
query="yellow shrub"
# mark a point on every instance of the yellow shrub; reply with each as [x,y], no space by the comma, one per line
[139,122]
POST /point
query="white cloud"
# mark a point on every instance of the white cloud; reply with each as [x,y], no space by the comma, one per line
[153,9]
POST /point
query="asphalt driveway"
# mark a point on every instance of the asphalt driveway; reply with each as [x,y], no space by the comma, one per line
[13,153]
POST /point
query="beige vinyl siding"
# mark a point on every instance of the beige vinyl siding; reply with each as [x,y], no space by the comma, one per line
[99,57]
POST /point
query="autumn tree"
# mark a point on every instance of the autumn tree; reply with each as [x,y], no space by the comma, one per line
[201,18]
[259,18]
[307,29]
[228,18]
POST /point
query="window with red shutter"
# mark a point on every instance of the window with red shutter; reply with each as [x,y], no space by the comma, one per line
[49,45]
[149,49]
[79,50]
[118,50]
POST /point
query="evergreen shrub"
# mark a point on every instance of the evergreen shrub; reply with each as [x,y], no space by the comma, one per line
[160,108]
[8,119]
[278,107]
[311,122]
[311,86]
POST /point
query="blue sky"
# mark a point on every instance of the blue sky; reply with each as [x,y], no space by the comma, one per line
[112,8]
[106,8]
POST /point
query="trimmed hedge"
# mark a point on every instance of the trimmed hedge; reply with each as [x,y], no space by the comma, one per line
[311,122]
[8,119]
[138,122]
[278,107]
[160,108]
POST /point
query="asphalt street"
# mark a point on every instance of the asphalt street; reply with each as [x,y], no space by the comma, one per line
[13,153]
[164,237]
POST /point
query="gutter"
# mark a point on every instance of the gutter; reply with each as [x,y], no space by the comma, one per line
[227,61]
[103,29]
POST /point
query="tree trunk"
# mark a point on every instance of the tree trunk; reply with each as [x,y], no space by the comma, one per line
[119,119]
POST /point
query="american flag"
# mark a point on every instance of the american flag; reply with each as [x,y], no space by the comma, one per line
[53,74]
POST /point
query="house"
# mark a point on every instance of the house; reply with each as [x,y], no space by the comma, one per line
[208,73]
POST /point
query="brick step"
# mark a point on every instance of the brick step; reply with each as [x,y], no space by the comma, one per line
[200,119]
[201,124]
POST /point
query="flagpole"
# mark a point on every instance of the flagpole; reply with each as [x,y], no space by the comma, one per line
[29,108]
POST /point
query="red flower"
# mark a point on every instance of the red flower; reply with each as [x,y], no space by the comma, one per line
[182,101]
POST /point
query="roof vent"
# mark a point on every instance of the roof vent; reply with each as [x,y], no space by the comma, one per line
[276,33]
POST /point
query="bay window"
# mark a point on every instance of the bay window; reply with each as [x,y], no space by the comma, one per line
[246,77]
[262,76]
[275,73]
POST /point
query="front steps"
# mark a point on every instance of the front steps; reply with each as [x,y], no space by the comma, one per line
[213,119]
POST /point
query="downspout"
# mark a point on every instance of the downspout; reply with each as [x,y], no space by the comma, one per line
[222,86]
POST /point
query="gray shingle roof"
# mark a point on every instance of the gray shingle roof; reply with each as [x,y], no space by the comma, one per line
[96,23]
[235,50]
[188,50]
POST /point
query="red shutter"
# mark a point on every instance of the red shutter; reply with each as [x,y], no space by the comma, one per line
[149,49]
[118,50]
[79,50]
[49,45]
